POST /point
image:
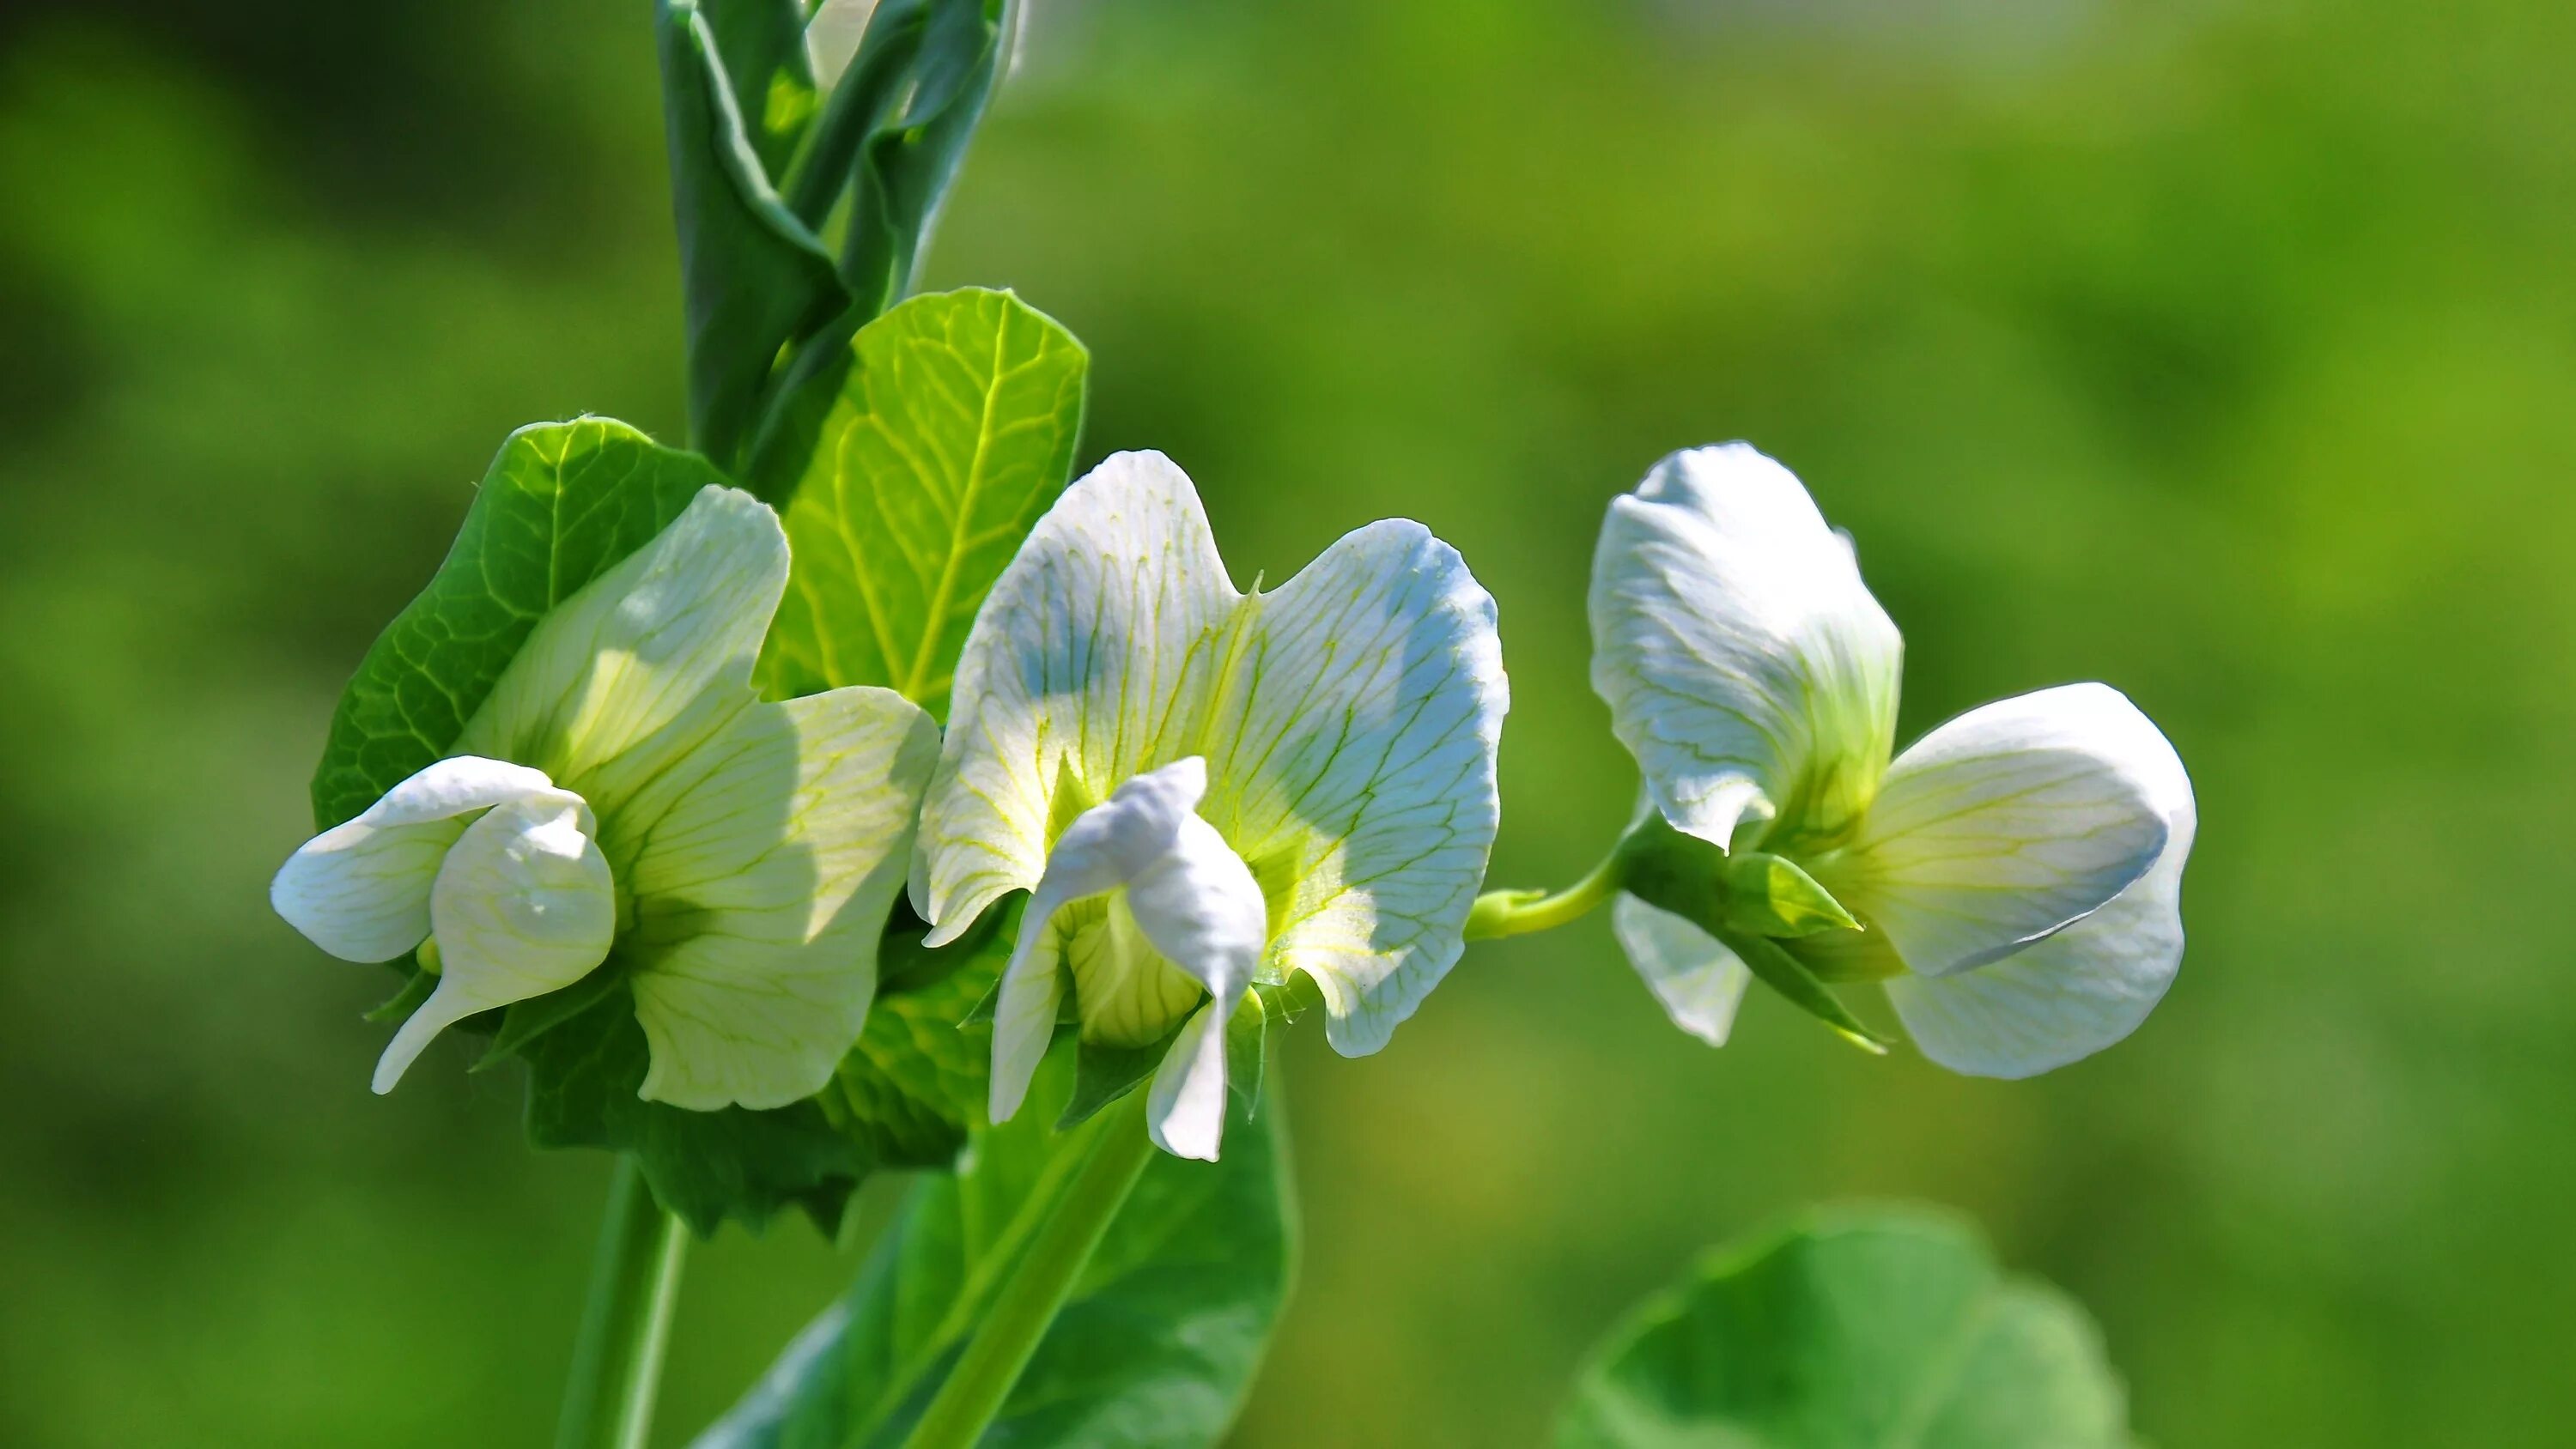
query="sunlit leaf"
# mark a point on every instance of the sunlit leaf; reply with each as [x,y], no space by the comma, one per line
[708,1167]
[917,470]
[916,1080]
[1858,1329]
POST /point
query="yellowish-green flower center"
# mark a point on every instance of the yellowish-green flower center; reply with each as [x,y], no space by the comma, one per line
[1127,993]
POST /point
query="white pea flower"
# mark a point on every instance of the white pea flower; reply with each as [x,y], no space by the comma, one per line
[2015,875]
[622,795]
[1202,788]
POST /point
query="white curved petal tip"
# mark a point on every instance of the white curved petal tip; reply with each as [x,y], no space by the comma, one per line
[1698,981]
[2008,824]
[1185,1113]
[1745,664]
[360,890]
[2088,986]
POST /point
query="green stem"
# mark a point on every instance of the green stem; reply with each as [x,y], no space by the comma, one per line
[617,1360]
[1036,1290]
[1519,912]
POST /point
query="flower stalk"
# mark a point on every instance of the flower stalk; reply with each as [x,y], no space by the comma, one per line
[1030,1298]
[1500,913]
[626,1325]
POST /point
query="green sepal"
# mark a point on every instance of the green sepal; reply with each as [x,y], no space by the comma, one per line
[1103,1074]
[1768,895]
[524,1021]
[1686,876]
[1786,975]
[415,990]
[1247,1042]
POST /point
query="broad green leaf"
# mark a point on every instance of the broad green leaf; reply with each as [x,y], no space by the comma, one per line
[916,1080]
[583,1074]
[1856,1329]
[920,467]
[1154,1350]
[561,504]
[755,279]
[904,1097]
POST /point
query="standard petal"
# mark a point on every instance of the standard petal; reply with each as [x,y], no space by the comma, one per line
[360,890]
[522,906]
[1745,665]
[1699,981]
[647,661]
[2004,826]
[1095,652]
[1352,763]
[1185,1111]
[764,865]
[2084,988]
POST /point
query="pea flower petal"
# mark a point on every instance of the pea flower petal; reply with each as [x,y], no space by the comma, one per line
[360,890]
[2089,985]
[761,891]
[737,857]
[1346,722]
[1088,657]
[1360,724]
[1745,665]
[522,906]
[1190,896]
[648,661]
[2014,877]
[2004,826]
[1699,981]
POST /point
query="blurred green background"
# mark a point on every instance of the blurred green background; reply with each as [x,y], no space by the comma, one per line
[2224,351]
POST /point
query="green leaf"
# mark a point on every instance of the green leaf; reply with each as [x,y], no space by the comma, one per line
[583,1075]
[918,1077]
[894,132]
[561,504]
[1154,1350]
[1853,1329]
[755,279]
[920,467]
[769,72]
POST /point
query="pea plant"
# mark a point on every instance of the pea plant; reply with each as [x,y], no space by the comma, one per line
[855,790]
